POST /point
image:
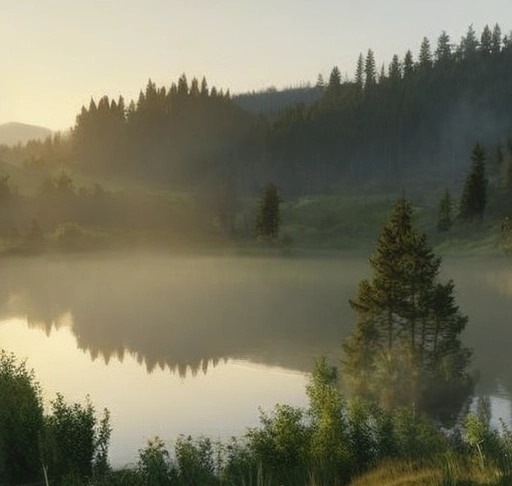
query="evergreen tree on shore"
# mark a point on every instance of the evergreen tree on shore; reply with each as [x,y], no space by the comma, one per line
[268,217]
[406,348]
[474,194]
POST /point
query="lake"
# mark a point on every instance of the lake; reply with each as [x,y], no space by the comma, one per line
[195,344]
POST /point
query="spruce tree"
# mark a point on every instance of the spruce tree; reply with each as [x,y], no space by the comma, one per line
[474,194]
[204,88]
[444,50]
[395,70]
[469,44]
[405,348]
[496,40]
[335,78]
[408,64]
[425,56]
[320,83]
[370,70]
[268,217]
[360,72]
[486,42]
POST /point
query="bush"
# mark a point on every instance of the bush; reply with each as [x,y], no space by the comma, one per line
[76,444]
[21,421]
[154,465]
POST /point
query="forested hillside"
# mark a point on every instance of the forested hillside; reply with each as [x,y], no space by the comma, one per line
[413,121]
[191,160]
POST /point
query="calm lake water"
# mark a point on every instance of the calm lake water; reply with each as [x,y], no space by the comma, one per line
[194,345]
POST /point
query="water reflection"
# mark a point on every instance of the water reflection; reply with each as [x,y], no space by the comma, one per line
[188,314]
[206,318]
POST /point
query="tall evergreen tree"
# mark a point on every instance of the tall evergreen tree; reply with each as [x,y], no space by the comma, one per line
[443,53]
[406,346]
[395,69]
[334,80]
[370,70]
[486,42]
[268,217]
[408,64]
[204,88]
[425,56]
[360,72]
[496,40]
[320,83]
[469,44]
[474,194]
[182,86]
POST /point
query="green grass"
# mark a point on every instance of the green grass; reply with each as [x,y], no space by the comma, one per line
[446,471]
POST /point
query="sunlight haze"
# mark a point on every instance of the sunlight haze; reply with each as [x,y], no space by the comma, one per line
[56,54]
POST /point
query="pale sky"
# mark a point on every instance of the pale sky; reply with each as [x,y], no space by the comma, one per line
[56,54]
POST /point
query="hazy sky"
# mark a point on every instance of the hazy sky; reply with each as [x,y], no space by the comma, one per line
[56,54]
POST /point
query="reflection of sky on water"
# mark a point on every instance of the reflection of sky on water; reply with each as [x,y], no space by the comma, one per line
[221,403]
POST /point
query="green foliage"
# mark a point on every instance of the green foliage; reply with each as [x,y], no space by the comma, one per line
[154,466]
[280,445]
[195,460]
[416,436]
[330,450]
[268,218]
[76,445]
[484,441]
[474,194]
[406,346]
[21,421]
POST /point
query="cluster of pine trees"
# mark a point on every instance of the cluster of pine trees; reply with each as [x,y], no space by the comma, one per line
[181,135]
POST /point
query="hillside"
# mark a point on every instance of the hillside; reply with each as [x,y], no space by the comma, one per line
[13,133]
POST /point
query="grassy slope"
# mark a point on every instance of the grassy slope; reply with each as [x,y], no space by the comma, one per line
[449,472]
[354,222]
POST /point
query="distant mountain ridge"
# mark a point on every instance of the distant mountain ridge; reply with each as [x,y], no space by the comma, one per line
[13,133]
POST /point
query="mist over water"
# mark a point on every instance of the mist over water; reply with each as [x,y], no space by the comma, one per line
[194,344]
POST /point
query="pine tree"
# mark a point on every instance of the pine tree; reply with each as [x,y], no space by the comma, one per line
[444,214]
[183,85]
[486,42]
[406,347]
[469,44]
[496,40]
[360,72]
[395,69]
[408,64]
[370,71]
[382,74]
[268,217]
[334,81]
[320,83]
[425,56]
[204,88]
[194,88]
[474,194]
[444,49]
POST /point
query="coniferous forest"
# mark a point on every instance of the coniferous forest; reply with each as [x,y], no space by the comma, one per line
[405,126]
